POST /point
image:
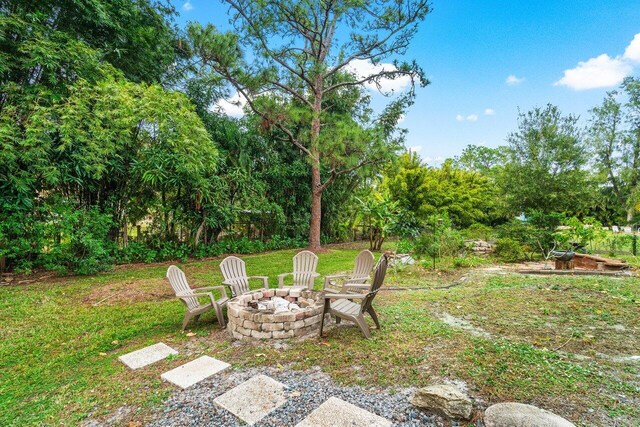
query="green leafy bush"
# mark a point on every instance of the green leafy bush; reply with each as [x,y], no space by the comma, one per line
[404,246]
[509,250]
[81,241]
[479,231]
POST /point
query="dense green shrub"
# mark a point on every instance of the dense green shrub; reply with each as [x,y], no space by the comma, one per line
[525,235]
[479,231]
[81,241]
[509,250]
[404,246]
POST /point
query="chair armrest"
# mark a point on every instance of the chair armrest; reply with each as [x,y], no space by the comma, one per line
[199,294]
[358,278]
[264,279]
[231,287]
[328,279]
[281,279]
[357,286]
[336,276]
[343,296]
[219,288]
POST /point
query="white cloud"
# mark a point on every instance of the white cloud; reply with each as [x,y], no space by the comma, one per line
[632,52]
[603,70]
[415,149]
[489,112]
[469,118]
[364,68]
[187,6]
[232,107]
[402,118]
[512,80]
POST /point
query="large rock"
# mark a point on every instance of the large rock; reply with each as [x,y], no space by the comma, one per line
[444,399]
[520,415]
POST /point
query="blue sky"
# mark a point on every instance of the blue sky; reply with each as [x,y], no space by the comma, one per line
[469,48]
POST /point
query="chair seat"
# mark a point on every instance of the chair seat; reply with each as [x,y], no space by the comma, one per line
[345,306]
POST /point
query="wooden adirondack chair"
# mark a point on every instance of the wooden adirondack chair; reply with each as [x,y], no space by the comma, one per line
[360,276]
[304,270]
[190,296]
[343,306]
[235,276]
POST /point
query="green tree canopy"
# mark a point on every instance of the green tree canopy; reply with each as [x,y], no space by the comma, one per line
[546,167]
[614,137]
[466,197]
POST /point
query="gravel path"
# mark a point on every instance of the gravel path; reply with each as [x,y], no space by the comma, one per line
[308,390]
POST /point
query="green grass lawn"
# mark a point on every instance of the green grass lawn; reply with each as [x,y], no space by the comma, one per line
[61,339]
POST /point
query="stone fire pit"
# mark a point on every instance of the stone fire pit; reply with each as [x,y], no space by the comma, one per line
[257,315]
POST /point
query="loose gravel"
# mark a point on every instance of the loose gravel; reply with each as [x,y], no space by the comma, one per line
[306,390]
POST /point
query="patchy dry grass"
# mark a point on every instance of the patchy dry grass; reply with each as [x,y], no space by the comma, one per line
[552,340]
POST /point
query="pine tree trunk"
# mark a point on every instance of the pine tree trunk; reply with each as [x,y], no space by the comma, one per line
[630,214]
[316,208]
[316,180]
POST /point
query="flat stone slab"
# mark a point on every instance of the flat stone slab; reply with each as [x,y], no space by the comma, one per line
[254,399]
[146,356]
[512,414]
[338,413]
[195,371]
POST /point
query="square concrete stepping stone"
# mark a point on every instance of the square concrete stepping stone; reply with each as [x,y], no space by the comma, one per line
[195,371]
[338,413]
[252,400]
[146,356]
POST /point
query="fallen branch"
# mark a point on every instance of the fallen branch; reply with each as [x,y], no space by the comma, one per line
[567,342]
[104,299]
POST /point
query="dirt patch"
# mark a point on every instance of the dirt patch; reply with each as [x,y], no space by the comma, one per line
[128,292]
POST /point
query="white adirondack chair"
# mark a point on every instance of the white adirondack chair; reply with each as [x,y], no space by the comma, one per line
[360,276]
[235,276]
[304,270]
[190,296]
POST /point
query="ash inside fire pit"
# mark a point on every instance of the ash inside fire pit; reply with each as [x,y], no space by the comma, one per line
[278,304]
[275,313]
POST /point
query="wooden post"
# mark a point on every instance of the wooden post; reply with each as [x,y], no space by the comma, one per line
[564,265]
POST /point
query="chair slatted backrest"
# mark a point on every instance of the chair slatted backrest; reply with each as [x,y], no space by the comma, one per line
[304,267]
[234,271]
[363,266]
[378,280]
[178,282]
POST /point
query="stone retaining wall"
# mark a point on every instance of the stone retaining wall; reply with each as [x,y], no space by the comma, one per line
[246,323]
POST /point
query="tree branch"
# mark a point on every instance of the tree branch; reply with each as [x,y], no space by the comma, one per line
[257,33]
[265,116]
[335,174]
